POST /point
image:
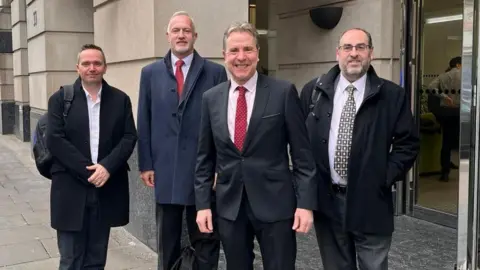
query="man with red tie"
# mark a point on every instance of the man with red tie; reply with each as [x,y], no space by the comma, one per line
[248,126]
[168,121]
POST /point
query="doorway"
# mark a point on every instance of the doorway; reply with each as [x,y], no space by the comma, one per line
[435,61]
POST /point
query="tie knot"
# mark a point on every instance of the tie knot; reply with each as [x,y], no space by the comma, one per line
[179,63]
[241,90]
[350,88]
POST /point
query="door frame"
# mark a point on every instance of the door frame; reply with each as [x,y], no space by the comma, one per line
[411,59]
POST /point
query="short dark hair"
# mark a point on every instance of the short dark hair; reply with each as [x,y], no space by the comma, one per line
[92,47]
[455,61]
[369,36]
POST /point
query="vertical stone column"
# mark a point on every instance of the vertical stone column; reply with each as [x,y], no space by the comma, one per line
[7,105]
[261,23]
[272,37]
[54,37]
[20,70]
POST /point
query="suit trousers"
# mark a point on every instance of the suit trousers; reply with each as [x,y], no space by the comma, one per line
[169,233]
[343,250]
[87,248]
[277,241]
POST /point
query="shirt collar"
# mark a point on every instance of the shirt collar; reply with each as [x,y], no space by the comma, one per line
[359,84]
[186,60]
[88,94]
[250,85]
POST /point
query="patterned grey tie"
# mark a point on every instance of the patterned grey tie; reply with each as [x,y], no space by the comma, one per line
[345,130]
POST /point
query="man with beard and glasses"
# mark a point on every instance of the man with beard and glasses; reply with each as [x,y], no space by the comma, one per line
[363,139]
[90,147]
[168,121]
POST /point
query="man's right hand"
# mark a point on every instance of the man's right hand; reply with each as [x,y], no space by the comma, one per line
[204,221]
[148,178]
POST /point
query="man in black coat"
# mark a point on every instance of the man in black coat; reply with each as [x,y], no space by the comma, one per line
[90,149]
[363,139]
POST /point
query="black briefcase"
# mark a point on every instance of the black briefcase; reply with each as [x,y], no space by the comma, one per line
[187,260]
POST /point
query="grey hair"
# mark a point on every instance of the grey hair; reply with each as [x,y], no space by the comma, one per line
[370,42]
[181,13]
[241,27]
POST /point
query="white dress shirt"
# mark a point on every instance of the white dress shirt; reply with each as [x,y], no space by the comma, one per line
[186,66]
[338,102]
[94,123]
[251,86]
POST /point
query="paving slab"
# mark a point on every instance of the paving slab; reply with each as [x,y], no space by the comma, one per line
[38,217]
[24,234]
[14,221]
[22,252]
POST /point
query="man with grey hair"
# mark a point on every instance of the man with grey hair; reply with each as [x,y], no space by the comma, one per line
[247,125]
[364,139]
[168,121]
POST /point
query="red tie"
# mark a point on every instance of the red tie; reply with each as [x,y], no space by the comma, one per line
[179,77]
[240,118]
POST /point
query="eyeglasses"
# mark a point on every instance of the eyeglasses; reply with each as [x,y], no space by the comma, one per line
[359,47]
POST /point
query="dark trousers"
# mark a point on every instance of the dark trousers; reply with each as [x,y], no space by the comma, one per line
[342,250]
[87,248]
[450,134]
[277,241]
[169,233]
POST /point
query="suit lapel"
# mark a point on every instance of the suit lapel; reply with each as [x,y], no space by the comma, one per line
[105,111]
[262,94]
[225,133]
[81,106]
[192,77]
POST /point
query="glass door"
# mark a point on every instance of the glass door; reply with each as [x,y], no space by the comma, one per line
[435,66]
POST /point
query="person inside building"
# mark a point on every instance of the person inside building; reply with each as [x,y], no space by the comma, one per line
[169,109]
[364,139]
[447,88]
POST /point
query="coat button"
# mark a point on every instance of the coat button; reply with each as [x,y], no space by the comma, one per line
[172,90]
[329,114]
[324,141]
[174,114]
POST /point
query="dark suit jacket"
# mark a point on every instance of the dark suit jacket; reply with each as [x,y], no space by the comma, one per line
[262,168]
[69,145]
[168,129]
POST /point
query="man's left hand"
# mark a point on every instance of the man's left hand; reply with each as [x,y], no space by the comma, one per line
[303,220]
[100,176]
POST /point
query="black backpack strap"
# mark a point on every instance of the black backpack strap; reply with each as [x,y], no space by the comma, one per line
[315,94]
[67,99]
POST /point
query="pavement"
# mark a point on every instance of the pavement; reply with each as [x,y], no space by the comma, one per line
[27,242]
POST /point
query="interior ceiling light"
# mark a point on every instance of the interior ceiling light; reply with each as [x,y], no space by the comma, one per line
[442,19]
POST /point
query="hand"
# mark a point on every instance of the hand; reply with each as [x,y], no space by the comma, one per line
[100,176]
[148,178]
[448,100]
[204,221]
[303,220]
